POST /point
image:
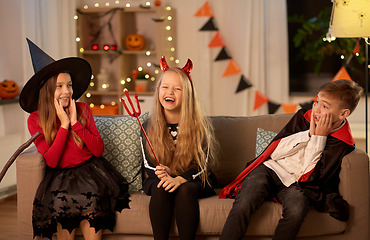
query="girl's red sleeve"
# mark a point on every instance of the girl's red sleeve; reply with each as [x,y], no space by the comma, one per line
[52,154]
[89,133]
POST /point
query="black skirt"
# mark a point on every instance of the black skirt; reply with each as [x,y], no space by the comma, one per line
[92,191]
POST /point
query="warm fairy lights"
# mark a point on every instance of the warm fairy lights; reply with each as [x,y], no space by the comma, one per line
[168,39]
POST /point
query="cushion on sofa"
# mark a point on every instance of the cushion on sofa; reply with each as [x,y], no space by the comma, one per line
[121,136]
[263,139]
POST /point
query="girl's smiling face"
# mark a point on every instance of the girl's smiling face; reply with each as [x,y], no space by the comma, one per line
[325,105]
[63,91]
[170,92]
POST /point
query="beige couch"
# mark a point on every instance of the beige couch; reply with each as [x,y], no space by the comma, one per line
[237,137]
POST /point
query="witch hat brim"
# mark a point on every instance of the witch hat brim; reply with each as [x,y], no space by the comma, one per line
[46,67]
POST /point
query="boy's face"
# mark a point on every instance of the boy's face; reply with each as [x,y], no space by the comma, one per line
[326,105]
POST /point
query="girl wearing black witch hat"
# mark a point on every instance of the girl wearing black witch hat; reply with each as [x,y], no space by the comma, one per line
[80,188]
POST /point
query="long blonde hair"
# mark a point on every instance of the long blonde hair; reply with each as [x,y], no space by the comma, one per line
[195,133]
[48,119]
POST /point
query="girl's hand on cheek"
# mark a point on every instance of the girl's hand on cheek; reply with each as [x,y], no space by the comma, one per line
[62,115]
[72,111]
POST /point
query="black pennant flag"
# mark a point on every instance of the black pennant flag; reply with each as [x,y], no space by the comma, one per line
[209,26]
[243,84]
[223,55]
[273,107]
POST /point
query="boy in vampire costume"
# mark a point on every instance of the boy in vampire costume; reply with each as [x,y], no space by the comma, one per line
[300,166]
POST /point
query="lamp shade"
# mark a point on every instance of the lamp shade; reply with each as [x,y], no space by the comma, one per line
[350,19]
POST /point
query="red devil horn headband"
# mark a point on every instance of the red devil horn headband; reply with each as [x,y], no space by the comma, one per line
[186,69]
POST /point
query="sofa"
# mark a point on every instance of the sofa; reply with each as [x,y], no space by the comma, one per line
[237,138]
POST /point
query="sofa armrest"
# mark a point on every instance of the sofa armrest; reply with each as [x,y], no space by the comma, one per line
[30,172]
[354,188]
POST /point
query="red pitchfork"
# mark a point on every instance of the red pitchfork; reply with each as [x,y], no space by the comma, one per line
[136,115]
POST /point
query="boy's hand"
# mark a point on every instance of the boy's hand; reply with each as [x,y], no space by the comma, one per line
[312,123]
[324,126]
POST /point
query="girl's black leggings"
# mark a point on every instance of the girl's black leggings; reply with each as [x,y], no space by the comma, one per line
[183,203]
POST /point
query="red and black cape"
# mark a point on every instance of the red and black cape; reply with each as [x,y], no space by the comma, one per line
[321,183]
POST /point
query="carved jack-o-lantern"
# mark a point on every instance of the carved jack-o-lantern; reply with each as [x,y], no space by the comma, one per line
[135,42]
[8,89]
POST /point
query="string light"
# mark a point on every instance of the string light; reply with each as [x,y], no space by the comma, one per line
[172,49]
[177,61]
[156,71]
[148,53]
[78,39]
[149,64]
[96,5]
[342,56]
[113,103]
[147,3]
[169,18]
[92,105]
[172,58]
[123,82]
[116,2]
[168,28]
[128,79]
[82,50]
[102,106]
[140,69]
[75,17]
[169,38]
[88,95]
[153,79]
[128,5]
[107,4]
[86,7]
[168,8]
[92,84]
[147,76]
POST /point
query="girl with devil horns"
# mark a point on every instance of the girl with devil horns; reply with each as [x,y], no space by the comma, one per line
[184,143]
[80,188]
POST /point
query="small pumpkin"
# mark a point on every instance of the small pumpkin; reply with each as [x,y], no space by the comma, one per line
[157,3]
[8,89]
[135,42]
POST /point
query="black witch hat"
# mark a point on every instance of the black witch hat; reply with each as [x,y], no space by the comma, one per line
[45,67]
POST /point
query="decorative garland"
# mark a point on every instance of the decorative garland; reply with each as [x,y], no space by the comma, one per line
[244,83]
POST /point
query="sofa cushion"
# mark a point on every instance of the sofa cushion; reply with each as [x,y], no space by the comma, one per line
[121,136]
[263,139]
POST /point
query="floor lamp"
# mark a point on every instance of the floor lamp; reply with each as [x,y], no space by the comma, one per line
[351,19]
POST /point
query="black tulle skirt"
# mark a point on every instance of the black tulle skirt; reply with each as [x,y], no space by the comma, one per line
[92,191]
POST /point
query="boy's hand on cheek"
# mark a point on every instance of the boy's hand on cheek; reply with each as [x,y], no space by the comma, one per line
[324,126]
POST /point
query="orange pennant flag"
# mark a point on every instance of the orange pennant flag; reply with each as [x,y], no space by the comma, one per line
[259,100]
[216,41]
[231,69]
[357,47]
[342,74]
[289,107]
[204,11]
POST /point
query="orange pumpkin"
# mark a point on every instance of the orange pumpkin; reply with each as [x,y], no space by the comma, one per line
[8,89]
[135,42]
[157,3]
[140,88]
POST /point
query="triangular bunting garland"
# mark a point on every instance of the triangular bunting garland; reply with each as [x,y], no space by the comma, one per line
[223,55]
[204,11]
[209,26]
[243,84]
[216,41]
[357,47]
[259,100]
[231,69]
[289,107]
[342,74]
[273,107]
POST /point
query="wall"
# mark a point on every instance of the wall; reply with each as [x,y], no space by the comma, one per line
[12,118]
